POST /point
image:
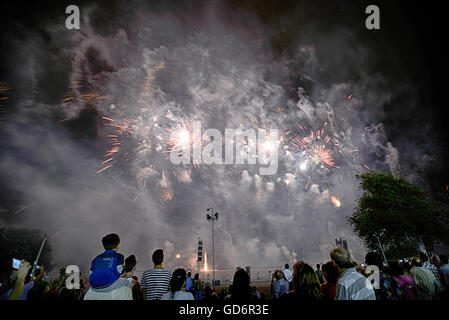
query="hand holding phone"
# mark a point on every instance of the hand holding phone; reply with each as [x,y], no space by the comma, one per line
[23,270]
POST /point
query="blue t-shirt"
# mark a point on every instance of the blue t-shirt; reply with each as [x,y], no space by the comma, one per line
[104,269]
[189,284]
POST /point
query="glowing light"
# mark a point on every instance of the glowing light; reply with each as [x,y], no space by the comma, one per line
[101,170]
[303,166]
[336,202]
[205,261]
[269,146]
[178,256]
[183,137]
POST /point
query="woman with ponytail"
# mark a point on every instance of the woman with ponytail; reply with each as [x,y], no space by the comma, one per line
[176,285]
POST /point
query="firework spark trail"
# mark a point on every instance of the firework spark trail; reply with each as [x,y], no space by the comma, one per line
[107,167]
[232,246]
[20,210]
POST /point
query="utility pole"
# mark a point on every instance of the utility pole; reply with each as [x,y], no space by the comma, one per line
[212,218]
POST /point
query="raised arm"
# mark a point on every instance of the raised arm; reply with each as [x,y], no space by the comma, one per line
[20,280]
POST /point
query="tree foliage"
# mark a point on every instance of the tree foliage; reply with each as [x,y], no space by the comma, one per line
[22,244]
[399,214]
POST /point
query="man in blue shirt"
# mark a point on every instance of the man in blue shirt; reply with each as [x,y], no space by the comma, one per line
[189,282]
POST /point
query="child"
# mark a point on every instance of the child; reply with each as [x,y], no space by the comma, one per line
[107,268]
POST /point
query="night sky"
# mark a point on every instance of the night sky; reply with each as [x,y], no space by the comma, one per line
[218,61]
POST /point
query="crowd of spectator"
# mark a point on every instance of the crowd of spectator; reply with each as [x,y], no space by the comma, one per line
[112,278]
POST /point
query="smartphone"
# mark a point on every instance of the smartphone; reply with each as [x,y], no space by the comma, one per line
[16,263]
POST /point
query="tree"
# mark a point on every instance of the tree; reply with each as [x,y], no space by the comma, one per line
[399,214]
[23,244]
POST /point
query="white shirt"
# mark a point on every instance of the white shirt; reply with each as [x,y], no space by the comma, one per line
[288,275]
[179,295]
[122,293]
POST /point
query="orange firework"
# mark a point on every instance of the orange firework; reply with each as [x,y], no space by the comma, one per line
[320,154]
[314,145]
[168,195]
[336,202]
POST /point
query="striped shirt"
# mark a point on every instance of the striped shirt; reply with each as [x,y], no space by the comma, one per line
[434,270]
[352,285]
[425,279]
[156,283]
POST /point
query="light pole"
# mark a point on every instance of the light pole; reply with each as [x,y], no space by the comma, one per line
[212,218]
[381,249]
[38,255]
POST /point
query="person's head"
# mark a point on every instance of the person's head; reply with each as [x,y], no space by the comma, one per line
[374,259]
[130,263]
[38,291]
[305,281]
[423,257]
[443,259]
[435,259]
[416,262]
[406,267]
[111,242]
[286,266]
[177,280]
[207,290]
[395,268]
[341,259]
[189,274]
[196,277]
[158,257]
[330,272]
[241,289]
[278,274]
[318,266]
[82,282]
